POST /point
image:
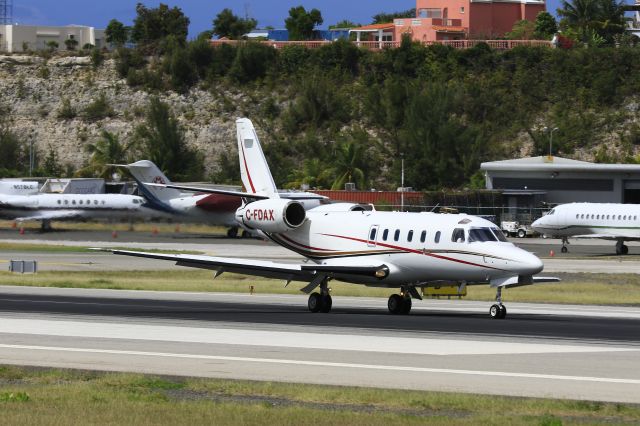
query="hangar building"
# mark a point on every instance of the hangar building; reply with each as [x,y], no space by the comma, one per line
[528,182]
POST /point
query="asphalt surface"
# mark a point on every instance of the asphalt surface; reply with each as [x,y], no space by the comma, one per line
[539,350]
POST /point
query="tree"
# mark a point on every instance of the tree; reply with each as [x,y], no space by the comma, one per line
[231,26]
[162,141]
[383,18]
[52,45]
[301,23]
[152,27]
[348,158]
[71,43]
[546,25]
[522,30]
[108,150]
[593,20]
[345,23]
[116,33]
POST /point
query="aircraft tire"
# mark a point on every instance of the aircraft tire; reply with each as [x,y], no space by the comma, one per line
[564,249]
[503,312]
[315,302]
[327,302]
[625,249]
[495,311]
[406,306]
[232,232]
[395,304]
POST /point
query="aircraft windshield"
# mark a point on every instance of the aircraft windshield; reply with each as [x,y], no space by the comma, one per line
[481,235]
[498,233]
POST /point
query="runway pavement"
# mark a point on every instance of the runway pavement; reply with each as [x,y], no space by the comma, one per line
[579,352]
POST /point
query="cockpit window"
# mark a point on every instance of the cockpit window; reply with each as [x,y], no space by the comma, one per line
[551,212]
[499,235]
[481,235]
[458,235]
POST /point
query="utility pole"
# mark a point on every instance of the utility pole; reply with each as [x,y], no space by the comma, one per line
[402,182]
[547,129]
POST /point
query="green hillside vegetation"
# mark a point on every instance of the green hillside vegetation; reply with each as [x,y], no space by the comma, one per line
[446,110]
[340,113]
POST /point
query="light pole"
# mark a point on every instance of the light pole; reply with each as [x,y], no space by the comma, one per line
[402,182]
[31,157]
[546,129]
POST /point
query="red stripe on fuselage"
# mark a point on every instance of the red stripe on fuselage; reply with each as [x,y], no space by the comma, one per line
[302,245]
[244,160]
[408,250]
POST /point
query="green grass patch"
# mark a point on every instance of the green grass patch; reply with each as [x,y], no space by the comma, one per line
[610,289]
[163,228]
[51,396]
[57,248]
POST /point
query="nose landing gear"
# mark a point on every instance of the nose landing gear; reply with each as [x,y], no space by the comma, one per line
[565,242]
[498,310]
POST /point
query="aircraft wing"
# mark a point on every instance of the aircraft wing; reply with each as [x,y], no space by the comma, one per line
[311,273]
[606,237]
[53,215]
[209,190]
[521,280]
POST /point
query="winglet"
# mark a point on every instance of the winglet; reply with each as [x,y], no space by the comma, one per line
[254,170]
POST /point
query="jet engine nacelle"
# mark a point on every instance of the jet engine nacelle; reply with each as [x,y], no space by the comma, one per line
[273,215]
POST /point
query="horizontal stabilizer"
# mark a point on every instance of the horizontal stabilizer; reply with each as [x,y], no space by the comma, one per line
[209,190]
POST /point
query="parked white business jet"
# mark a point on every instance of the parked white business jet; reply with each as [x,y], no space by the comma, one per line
[614,222]
[214,209]
[47,207]
[379,249]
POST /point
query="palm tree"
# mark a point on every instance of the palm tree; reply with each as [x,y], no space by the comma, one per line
[348,167]
[106,151]
[589,18]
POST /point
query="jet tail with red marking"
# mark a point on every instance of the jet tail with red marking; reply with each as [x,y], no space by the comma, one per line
[254,170]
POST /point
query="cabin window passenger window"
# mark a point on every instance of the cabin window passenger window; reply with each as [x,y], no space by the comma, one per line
[619,217]
[437,238]
[88,202]
[598,217]
[66,202]
[385,234]
[458,235]
[582,216]
[372,234]
[410,236]
[102,202]
[624,217]
[396,235]
[423,236]
[95,202]
[577,216]
[59,202]
[80,202]
[607,217]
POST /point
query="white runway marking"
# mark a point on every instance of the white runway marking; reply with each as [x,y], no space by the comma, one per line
[325,341]
[329,364]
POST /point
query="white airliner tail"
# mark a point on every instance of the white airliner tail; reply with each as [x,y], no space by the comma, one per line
[254,170]
[145,171]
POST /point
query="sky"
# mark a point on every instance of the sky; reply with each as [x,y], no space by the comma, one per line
[267,12]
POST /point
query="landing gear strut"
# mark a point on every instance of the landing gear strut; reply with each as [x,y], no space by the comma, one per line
[400,304]
[320,302]
[621,248]
[564,248]
[498,310]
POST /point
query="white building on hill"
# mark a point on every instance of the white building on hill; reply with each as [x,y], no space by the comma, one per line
[21,38]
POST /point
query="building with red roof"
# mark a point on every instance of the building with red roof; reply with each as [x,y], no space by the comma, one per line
[438,20]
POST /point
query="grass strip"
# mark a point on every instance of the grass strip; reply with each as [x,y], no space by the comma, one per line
[162,228]
[56,248]
[52,396]
[583,288]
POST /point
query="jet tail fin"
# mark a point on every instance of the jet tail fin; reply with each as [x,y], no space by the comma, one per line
[145,171]
[254,170]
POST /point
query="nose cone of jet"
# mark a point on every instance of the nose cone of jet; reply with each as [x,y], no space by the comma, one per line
[531,264]
[538,224]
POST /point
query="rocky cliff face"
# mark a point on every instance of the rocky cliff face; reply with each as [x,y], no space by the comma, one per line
[33,90]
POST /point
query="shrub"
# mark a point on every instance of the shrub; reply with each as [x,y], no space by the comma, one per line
[99,109]
[66,111]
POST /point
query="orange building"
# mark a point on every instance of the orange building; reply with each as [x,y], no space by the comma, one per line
[455,20]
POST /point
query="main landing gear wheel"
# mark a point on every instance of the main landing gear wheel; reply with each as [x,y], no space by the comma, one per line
[232,232]
[498,311]
[399,305]
[564,249]
[621,248]
[319,303]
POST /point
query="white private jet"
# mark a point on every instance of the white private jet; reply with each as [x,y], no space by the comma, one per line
[379,249]
[48,207]
[606,221]
[214,209]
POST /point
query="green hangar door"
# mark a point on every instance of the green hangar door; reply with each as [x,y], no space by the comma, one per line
[631,192]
